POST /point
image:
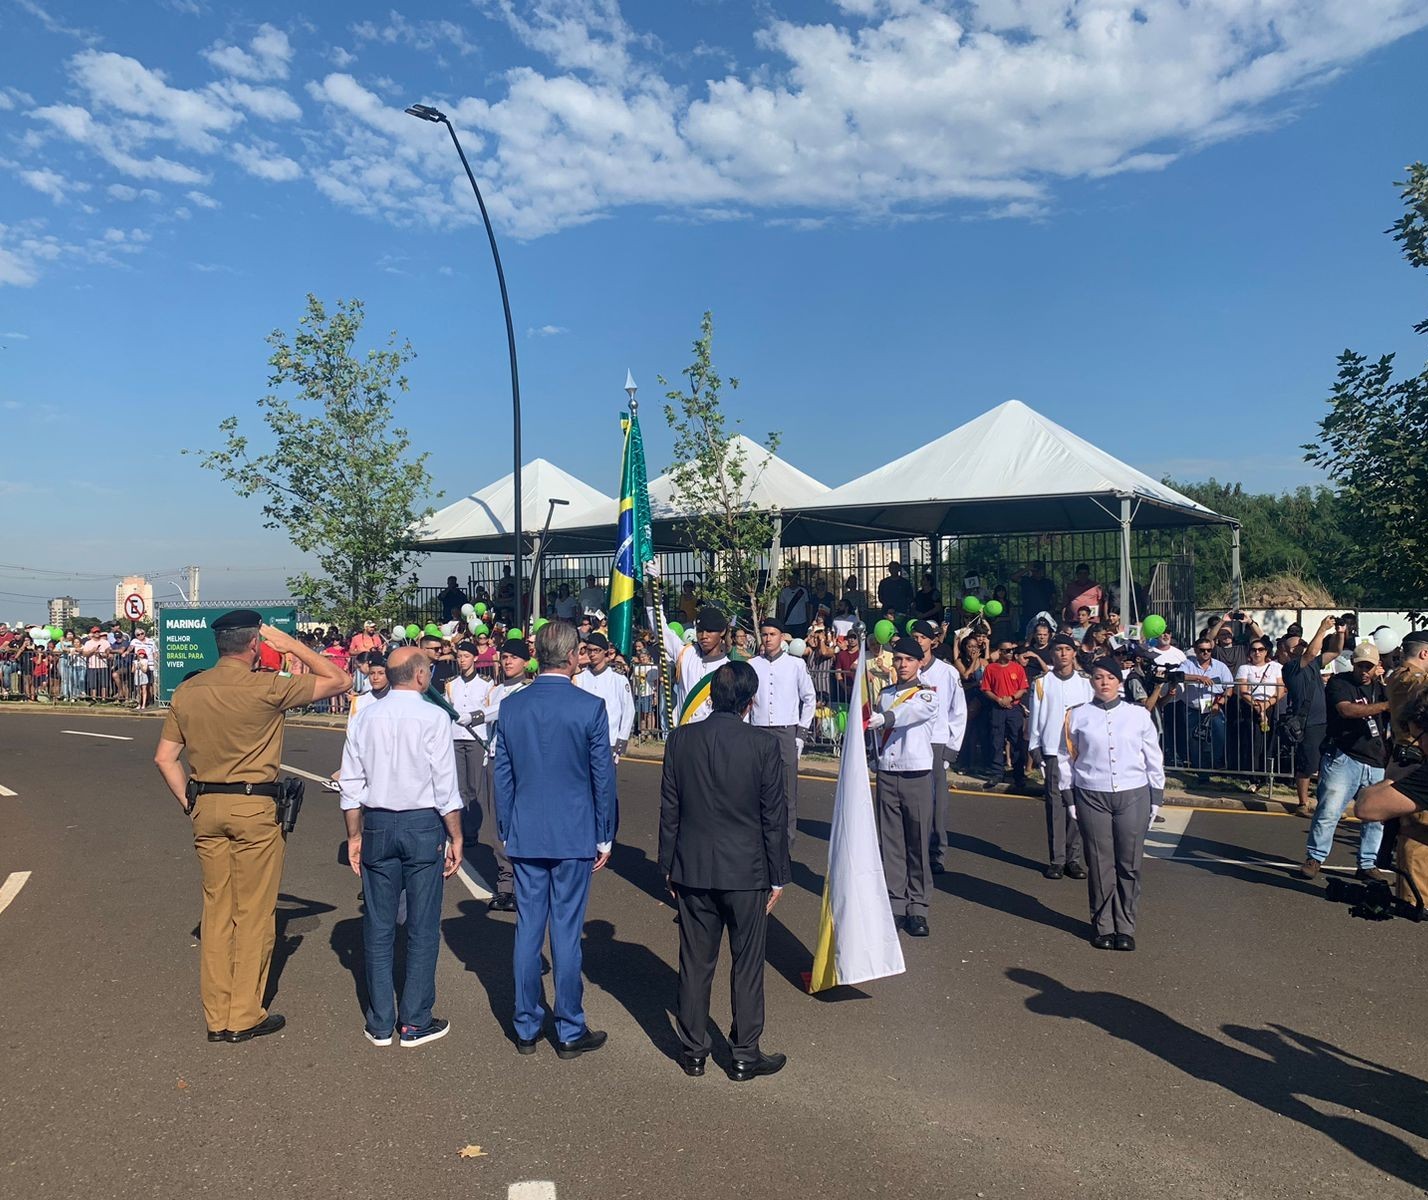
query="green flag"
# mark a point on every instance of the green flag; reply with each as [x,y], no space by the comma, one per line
[634,546]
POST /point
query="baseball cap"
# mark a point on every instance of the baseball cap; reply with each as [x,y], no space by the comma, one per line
[1366,652]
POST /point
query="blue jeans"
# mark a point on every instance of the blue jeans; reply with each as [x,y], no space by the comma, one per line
[554,892]
[1341,779]
[401,851]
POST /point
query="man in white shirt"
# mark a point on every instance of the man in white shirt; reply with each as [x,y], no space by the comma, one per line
[567,607]
[599,679]
[592,597]
[906,716]
[1052,694]
[694,664]
[784,705]
[947,731]
[403,814]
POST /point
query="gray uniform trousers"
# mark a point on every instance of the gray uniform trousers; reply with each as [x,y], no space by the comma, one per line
[788,749]
[1114,826]
[904,822]
[1063,835]
[941,803]
[480,810]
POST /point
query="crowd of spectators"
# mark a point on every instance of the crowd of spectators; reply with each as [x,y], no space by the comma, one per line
[96,666]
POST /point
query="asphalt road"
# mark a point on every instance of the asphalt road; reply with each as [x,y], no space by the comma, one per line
[1261,1043]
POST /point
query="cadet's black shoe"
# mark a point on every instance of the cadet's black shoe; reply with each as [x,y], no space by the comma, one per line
[591,1039]
[271,1024]
[218,1035]
[990,785]
[692,1064]
[1075,871]
[502,902]
[526,1045]
[741,1071]
[938,868]
[917,927]
[1053,872]
[1124,941]
[1103,941]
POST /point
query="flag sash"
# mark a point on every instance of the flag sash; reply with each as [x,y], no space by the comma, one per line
[697,695]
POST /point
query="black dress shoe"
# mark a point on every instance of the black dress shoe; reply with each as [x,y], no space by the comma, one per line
[742,1070]
[1053,872]
[1103,941]
[591,1039]
[526,1045]
[271,1024]
[1075,871]
[502,902]
[218,1035]
[990,785]
[692,1064]
[917,927]
[1124,941]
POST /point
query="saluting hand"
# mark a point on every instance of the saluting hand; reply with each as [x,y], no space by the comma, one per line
[282,642]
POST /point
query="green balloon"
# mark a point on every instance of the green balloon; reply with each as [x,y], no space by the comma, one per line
[432,630]
[480,607]
[971,605]
[884,631]
[993,608]
[1153,625]
[538,624]
[55,632]
[531,666]
[479,629]
[413,632]
[515,633]
[676,628]
[908,628]
[842,719]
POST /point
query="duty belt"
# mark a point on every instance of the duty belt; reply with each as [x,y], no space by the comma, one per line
[271,790]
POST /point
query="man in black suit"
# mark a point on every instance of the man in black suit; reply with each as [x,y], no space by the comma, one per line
[723,845]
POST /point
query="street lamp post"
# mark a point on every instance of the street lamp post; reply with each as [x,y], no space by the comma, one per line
[426,113]
[539,556]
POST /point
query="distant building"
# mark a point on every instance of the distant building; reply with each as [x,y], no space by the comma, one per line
[62,610]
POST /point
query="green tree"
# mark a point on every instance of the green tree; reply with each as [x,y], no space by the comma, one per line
[712,483]
[1374,444]
[334,471]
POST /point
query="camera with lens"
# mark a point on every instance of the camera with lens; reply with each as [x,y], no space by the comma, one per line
[1163,673]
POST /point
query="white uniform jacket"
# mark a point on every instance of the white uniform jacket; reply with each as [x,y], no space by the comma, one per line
[690,666]
[785,695]
[1114,748]
[466,696]
[614,689]
[952,724]
[905,742]
[1050,697]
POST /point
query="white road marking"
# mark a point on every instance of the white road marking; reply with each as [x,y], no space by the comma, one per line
[480,891]
[1196,860]
[11,888]
[113,737]
[1165,835]
[531,1189]
[4,791]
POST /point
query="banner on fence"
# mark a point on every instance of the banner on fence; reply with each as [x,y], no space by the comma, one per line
[186,642]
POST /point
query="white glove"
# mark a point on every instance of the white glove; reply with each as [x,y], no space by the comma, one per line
[1154,812]
[652,569]
[799,743]
[877,720]
[1071,808]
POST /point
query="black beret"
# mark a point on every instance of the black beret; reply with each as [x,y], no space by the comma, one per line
[926,628]
[711,620]
[469,647]
[239,618]
[907,646]
[771,623]
[1110,665]
[1415,637]
[598,641]
[1064,639]
[375,658]
[516,646]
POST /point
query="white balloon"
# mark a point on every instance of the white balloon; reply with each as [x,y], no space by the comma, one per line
[399,632]
[798,647]
[468,610]
[450,627]
[688,636]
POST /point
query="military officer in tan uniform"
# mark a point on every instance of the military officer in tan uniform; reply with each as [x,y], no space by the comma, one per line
[229,719]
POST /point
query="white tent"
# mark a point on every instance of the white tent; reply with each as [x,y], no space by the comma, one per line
[769,483]
[483,520]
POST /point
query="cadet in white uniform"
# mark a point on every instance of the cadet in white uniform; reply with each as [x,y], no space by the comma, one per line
[904,720]
[465,692]
[692,663]
[784,705]
[947,735]
[1052,693]
[1119,779]
[613,688]
[515,653]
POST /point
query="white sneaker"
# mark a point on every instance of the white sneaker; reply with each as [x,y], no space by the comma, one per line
[375,1040]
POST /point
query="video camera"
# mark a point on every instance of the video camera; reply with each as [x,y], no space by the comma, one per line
[1164,673]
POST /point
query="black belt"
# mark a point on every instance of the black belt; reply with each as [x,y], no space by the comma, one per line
[271,790]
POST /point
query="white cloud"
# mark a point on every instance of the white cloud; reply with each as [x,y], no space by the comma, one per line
[115,145]
[419,35]
[52,184]
[202,200]
[546,331]
[122,191]
[267,57]
[341,58]
[13,336]
[54,25]
[270,103]
[188,117]
[265,163]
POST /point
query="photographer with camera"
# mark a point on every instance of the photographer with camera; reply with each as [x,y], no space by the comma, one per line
[1302,728]
[230,721]
[1403,797]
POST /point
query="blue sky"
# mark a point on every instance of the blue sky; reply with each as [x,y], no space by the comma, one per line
[1157,224]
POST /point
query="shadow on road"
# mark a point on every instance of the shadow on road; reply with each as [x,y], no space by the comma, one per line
[1007,900]
[1281,1072]
[637,978]
[484,942]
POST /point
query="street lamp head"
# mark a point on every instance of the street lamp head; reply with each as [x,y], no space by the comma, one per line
[426,112]
[562,503]
[630,386]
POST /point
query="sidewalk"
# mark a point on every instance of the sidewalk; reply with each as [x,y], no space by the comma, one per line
[1218,793]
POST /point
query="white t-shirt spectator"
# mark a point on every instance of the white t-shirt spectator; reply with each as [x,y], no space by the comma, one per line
[567,608]
[592,600]
[1263,681]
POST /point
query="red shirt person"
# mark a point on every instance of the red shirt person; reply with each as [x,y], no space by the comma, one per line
[1004,685]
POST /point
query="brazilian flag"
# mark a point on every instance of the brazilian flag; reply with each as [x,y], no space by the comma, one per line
[635,543]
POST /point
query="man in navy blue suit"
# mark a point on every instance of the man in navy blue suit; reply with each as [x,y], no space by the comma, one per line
[556,812]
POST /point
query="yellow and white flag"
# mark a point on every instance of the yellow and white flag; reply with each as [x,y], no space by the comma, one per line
[857,937]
